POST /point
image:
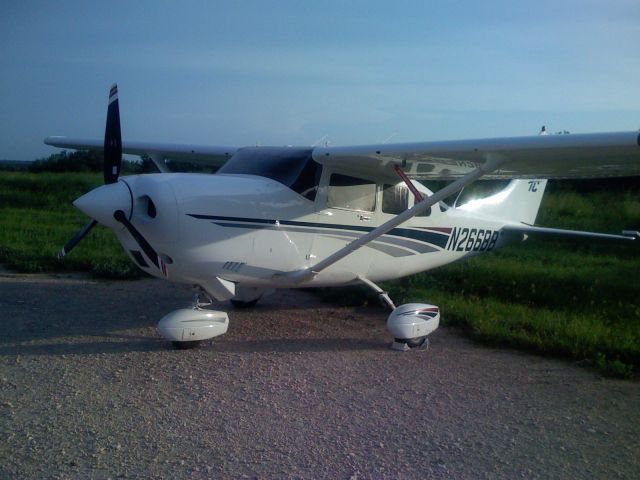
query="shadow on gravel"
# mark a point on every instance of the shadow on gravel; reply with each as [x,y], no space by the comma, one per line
[289,345]
[141,344]
[85,348]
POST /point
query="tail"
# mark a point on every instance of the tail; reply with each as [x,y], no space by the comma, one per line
[518,202]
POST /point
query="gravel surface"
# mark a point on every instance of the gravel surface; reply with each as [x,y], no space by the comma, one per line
[296,389]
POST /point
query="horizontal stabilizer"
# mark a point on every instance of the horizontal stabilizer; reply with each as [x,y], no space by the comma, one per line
[627,235]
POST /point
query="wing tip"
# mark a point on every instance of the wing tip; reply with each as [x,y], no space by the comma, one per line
[53,139]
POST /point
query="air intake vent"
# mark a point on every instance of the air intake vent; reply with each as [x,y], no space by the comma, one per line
[233,266]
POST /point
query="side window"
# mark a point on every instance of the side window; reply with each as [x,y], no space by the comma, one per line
[351,192]
[395,198]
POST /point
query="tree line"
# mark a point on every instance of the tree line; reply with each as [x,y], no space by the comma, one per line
[92,161]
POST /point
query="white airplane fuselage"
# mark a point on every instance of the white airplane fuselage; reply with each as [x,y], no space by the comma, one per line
[248,230]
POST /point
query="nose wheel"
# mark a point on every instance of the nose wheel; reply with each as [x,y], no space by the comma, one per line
[187,327]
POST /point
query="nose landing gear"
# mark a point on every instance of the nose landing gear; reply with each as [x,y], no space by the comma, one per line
[187,327]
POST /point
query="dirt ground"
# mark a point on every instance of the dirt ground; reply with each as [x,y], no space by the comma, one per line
[296,389]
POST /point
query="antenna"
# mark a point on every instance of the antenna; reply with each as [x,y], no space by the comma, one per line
[386,140]
[321,139]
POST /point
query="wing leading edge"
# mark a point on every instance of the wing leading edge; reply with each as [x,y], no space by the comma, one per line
[201,154]
[548,156]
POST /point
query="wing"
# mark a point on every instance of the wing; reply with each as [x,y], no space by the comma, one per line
[200,154]
[541,156]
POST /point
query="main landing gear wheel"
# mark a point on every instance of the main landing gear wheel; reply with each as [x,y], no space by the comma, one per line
[247,297]
[406,344]
[239,304]
[416,342]
[409,323]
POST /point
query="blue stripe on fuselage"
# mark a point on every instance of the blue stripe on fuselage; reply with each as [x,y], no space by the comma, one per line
[434,238]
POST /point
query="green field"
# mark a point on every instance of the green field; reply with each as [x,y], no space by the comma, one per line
[579,302]
[37,219]
[555,298]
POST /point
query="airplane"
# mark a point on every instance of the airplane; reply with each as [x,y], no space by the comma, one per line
[324,216]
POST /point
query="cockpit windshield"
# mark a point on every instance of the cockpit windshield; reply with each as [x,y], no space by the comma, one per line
[291,166]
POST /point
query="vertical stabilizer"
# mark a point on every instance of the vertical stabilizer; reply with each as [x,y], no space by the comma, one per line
[519,201]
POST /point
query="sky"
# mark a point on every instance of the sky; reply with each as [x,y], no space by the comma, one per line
[302,72]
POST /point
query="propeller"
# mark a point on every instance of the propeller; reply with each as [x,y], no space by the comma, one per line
[111,165]
[76,239]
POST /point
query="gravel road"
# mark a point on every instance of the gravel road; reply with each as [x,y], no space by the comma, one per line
[296,389]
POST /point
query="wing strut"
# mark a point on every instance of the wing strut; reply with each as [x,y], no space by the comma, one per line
[308,273]
[416,194]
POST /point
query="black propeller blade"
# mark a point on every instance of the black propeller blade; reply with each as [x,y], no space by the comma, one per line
[112,161]
[76,239]
[112,139]
[144,245]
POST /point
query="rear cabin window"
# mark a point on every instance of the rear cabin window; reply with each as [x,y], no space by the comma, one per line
[351,192]
[395,199]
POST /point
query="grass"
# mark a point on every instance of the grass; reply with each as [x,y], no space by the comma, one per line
[556,299]
[37,219]
[553,298]
[580,324]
